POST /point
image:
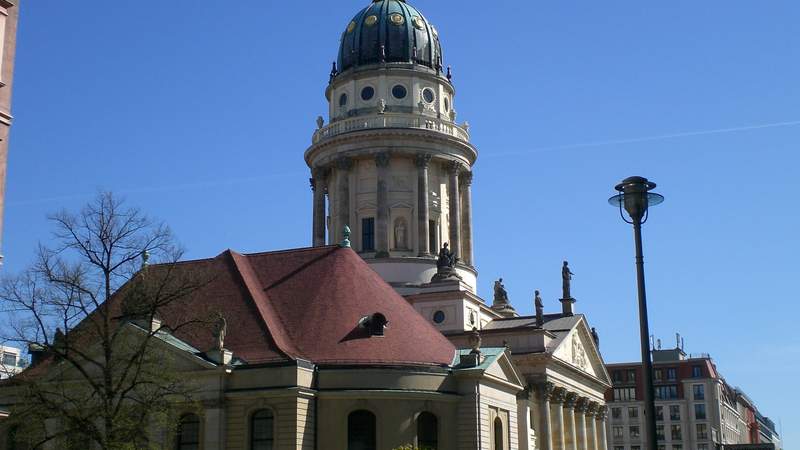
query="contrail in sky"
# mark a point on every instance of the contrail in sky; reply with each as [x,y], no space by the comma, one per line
[645,139]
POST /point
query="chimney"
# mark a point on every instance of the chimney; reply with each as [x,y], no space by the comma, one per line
[36,351]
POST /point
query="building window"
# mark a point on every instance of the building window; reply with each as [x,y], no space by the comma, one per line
[657,374]
[343,100]
[368,234]
[669,392]
[619,447]
[624,394]
[702,431]
[697,371]
[617,432]
[399,91]
[677,447]
[367,93]
[675,431]
[427,431]
[633,412]
[9,359]
[438,316]
[636,447]
[631,376]
[361,430]
[262,430]
[659,413]
[700,411]
[699,392]
[635,431]
[674,412]
[188,437]
[702,446]
[616,413]
[661,447]
[428,95]
[498,434]
[446,104]
[617,376]
[660,432]
[671,373]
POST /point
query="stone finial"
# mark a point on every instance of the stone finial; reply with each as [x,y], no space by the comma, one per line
[346,237]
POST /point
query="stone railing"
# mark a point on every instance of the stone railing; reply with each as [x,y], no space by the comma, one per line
[390,121]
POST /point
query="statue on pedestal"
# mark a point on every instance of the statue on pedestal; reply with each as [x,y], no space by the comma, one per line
[566,279]
[446,265]
[219,332]
[539,309]
[500,294]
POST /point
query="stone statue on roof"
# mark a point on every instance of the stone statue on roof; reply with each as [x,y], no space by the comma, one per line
[500,293]
[447,259]
[537,300]
[219,331]
[566,280]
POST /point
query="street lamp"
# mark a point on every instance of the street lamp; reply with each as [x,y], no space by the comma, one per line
[635,197]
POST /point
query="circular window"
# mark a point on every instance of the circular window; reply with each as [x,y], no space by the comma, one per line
[397,19]
[367,93]
[399,91]
[428,95]
[438,316]
[418,23]
[343,100]
[351,26]
[371,20]
[446,104]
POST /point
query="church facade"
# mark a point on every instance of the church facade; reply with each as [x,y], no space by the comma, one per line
[411,355]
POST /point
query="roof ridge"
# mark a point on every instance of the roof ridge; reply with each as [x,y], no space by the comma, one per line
[290,250]
[262,304]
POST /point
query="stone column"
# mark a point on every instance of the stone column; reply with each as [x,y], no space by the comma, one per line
[591,427]
[523,419]
[382,211]
[455,209]
[602,438]
[580,422]
[319,184]
[557,405]
[466,216]
[343,166]
[570,435]
[545,434]
[423,212]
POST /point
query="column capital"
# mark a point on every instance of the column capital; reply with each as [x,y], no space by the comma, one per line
[344,163]
[559,395]
[602,411]
[454,167]
[571,400]
[544,390]
[465,178]
[319,176]
[591,408]
[582,405]
[382,159]
[422,160]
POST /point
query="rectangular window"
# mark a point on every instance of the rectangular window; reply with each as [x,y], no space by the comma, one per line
[675,431]
[631,376]
[699,411]
[636,447]
[677,447]
[661,447]
[619,447]
[702,431]
[660,432]
[624,394]
[674,412]
[669,392]
[368,234]
[618,376]
[671,373]
[659,413]
[633,412]
[697,371]
[616,413]
[616,432]
[433,233]
[699,392]
[635,431]
[702,446]
[9,359]
[657,374]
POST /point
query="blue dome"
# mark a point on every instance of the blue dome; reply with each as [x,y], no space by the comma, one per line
[389,31]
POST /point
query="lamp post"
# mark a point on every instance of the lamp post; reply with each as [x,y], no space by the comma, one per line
[635,197]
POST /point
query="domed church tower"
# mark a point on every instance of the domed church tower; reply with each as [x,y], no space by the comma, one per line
[393,162]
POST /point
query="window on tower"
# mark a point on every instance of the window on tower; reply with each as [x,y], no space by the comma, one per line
[368,234]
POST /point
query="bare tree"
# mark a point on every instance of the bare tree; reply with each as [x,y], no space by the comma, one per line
[92,304]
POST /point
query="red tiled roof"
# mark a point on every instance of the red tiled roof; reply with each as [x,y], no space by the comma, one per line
[306,304]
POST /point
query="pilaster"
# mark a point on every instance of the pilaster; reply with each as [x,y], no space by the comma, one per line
[570,436]
[382,212]
[591,427]
[423,218]
[581,408]
[466,216]
[545,434]
[454,168]
[600,421]
[557,405]
[343,167]
[319,185]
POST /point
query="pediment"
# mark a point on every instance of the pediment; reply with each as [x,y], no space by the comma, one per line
[578,349]
[503,368]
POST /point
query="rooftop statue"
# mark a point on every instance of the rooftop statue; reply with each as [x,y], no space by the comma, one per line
[566,280]
[446,265]
[500,293]
[219,332]
[539,309]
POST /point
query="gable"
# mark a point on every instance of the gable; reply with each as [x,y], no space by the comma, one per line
[579,350]
[503,368]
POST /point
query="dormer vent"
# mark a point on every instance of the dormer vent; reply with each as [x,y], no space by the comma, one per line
[375,323]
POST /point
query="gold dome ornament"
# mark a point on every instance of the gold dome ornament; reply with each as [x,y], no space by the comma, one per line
[351,27]
[397,19]
[371,20]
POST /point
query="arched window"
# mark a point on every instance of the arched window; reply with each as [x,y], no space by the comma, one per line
[427,431]
[188,437]
[262,430]
[361,430]
[498,434]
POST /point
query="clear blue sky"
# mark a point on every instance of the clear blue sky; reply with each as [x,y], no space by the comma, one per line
[199,112]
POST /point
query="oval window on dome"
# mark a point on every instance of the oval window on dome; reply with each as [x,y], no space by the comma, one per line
[428,95]
[446,104]
[418,23]
[367,93]
[438,316]
[397,19]
[399,92]
[371,20]
[343,100]
[351,26]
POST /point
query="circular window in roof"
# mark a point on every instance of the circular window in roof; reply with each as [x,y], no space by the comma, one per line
[343,100]
[399,92]
[397,19]
[351,26]
[371,20]
[418,23]
[367,93]
[438,316]
[428,95]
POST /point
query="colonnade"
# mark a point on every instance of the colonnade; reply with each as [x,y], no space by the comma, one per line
[567,421]
[458,190]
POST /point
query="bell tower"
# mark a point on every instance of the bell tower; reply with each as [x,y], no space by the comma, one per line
[392,163]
